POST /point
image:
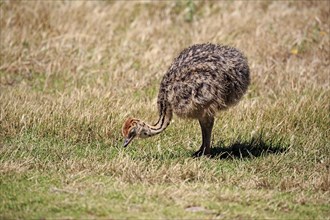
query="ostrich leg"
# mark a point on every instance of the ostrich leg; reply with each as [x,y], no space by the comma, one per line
[206,124]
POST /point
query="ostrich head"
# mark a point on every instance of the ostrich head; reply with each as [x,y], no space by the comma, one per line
[134,128]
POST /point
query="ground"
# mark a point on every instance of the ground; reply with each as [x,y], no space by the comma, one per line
[72,72]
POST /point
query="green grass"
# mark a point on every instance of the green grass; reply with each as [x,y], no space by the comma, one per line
[96,196]
[67,83]
[50,178]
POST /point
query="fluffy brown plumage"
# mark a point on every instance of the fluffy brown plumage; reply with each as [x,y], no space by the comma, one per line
[202,80]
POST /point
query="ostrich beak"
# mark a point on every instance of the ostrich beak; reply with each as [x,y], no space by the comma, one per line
[127,141]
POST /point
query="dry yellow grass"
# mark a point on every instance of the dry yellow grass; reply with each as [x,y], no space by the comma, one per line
[71,72]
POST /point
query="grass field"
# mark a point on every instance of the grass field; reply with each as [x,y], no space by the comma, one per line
[71,72]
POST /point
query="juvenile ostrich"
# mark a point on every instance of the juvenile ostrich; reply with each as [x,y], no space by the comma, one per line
[203,79]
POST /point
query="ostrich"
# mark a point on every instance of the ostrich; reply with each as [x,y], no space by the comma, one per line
[202,80]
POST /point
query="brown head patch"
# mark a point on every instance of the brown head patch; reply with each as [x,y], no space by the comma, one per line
[130,122]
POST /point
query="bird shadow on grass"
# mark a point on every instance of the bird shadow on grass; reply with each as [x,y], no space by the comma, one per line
[255,147]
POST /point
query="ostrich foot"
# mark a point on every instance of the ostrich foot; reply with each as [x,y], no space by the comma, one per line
[202,152]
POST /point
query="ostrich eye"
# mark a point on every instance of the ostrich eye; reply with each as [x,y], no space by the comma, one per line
[131,133]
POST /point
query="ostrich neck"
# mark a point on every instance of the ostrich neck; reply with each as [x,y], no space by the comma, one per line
[165,117]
